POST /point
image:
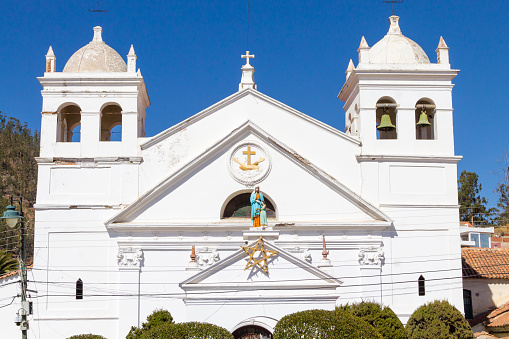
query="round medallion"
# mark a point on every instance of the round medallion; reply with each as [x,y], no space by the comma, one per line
[249,163]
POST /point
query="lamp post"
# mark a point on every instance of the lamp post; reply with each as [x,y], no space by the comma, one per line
[12,217]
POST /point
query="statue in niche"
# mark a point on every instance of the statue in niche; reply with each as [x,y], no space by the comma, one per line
[256,207]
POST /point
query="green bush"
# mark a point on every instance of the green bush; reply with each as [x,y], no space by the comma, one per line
[438,319]
[190,330]
[383,319]
[87,336]
[156,319]
[321,324]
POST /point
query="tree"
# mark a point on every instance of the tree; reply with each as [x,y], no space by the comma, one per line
[438,319]
[503,192]
[472,205]
[322,324]
[383,319]
[7,263]
[157,318]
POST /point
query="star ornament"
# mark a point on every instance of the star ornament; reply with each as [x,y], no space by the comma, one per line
[261,259]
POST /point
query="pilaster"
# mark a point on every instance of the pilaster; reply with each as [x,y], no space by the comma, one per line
[129,265]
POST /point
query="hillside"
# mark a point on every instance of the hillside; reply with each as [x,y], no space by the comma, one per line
[18,173]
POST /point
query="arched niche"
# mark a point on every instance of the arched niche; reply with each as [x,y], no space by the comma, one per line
[111,122]
[386,105]
[238,206]
[69,123]
[425,132]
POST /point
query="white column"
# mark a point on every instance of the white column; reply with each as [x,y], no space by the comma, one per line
[129,265]
[129,133]
[90,133]
[49,125]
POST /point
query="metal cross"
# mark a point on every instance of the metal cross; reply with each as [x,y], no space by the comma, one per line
[392,2]
[98,11]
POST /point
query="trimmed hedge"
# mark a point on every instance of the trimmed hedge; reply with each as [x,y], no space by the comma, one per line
[438,319]
[321,324]
[383,319]
[87,336]
[190,330]
[157,318]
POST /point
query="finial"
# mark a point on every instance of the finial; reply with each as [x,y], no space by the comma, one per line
[441,43]
[50,60]
[247,80]
[442,52]
[363,43]
[193,255]
[394,27]
[50,52]
[349,69]
[131,60]
[98,34]
[363,51]
[325,253]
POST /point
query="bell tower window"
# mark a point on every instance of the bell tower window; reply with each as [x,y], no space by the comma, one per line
[386,119]
[111,123]
[425,120]
[69,124]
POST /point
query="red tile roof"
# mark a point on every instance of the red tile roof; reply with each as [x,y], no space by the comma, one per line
[485,263]
[498,317]
[13,273]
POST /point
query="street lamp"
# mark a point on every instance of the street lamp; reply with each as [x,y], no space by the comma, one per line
[12,217]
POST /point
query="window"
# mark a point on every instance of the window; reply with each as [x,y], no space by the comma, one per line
[422,289]
[79,289]
[240,207]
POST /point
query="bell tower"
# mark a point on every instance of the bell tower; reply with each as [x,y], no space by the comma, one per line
[398,102]
[95,107]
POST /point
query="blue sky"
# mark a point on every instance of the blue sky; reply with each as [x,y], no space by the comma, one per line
[189,54]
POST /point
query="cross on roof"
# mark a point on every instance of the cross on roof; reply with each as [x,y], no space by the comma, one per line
[247,56]
[392,2]
[98,11]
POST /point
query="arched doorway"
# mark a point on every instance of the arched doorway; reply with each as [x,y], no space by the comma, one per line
[252,332]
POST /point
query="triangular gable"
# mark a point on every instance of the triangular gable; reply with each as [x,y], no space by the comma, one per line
[232,98]
[310,276]
[231,138]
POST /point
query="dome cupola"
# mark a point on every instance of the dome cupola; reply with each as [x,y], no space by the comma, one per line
[395,48]
[96,56]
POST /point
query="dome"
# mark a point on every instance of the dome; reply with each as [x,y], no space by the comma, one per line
[395,48]
[95,57]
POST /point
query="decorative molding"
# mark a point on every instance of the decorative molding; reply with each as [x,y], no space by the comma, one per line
[56,160]
[300,252]
[129,257]
[372,256]
[260,171]
[407,158]
[206,256]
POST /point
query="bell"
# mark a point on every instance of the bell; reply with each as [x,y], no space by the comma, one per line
[423,120]
[386,124]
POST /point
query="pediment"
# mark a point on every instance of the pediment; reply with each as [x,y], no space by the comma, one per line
[206,177]
[284,272]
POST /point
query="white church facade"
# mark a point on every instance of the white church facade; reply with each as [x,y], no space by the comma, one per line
[127,226]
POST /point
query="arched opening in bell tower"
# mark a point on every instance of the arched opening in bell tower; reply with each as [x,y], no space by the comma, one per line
[386,118]
[425,119]
[69,124]
[111,123]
